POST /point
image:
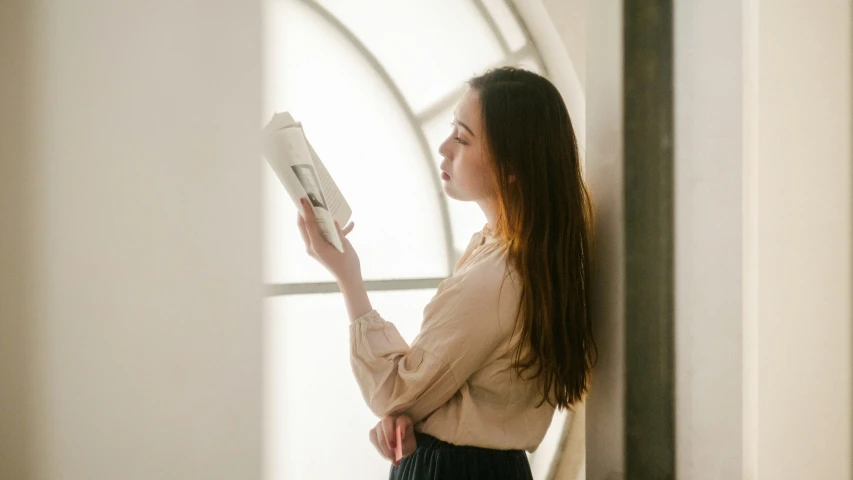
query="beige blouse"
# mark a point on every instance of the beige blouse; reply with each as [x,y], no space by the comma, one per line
[456,379]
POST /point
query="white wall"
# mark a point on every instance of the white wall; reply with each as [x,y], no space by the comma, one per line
[131,222]
[709,131]
[804,240]
[569,17]
[605,419]
[750,245]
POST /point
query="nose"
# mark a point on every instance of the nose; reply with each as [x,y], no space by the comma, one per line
[445,148]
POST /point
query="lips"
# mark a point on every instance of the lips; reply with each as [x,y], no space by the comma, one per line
[444,174]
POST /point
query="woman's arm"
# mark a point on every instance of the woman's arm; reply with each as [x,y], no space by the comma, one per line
[461,327]
[355,296]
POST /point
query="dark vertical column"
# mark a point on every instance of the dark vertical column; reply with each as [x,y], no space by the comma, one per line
[648,194]
[17,321]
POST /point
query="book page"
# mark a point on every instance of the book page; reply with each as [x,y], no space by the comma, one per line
[292,160]
[285,149]
[337,205]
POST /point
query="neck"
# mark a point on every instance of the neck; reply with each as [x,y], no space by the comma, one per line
[490,210]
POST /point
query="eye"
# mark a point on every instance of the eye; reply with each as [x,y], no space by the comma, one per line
[459,140]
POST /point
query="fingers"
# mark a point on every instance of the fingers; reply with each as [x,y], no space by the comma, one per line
[388,424]
[300,222]
[343,234]
[405,422]
[406,426]
[382,443]
[407,434]
[374,439]
[384,436]
[311,223]
[308,209]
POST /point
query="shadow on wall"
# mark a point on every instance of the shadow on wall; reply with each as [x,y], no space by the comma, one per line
[17,326]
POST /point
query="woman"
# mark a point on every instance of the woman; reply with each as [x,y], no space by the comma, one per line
[507,338]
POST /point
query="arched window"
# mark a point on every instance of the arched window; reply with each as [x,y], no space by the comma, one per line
[374,83]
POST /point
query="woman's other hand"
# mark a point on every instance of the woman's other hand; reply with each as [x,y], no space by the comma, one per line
[384,436]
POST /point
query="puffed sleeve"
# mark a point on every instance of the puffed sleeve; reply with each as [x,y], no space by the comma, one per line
[468,318]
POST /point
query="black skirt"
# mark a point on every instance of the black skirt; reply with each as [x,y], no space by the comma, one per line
[438,460]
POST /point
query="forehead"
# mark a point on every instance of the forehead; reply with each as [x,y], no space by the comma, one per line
[468,109]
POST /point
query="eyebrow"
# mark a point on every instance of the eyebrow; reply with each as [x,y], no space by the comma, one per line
[466,128]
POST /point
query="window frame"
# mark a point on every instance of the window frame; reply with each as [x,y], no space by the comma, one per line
[417,122]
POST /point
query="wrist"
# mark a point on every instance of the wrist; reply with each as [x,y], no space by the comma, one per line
[350,281]
[355,296]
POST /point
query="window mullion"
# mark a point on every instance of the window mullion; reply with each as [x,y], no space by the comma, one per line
[273,290]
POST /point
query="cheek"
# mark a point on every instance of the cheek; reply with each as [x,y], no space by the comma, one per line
[475,174]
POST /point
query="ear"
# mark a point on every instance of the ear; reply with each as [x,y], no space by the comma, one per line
[511,178]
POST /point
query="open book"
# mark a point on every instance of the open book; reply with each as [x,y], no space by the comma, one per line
[303,175]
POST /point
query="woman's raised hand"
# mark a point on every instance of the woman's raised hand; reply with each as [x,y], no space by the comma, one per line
[343,266]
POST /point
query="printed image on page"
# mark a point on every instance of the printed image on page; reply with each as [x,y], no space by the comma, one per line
[308,178]
[311,184]
[333,198]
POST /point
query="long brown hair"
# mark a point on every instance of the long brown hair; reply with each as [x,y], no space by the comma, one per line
[545,219]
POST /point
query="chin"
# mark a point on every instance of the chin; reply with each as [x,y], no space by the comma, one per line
[462,196]
[450,192]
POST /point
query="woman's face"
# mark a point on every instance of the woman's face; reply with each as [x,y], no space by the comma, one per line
[466,170]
